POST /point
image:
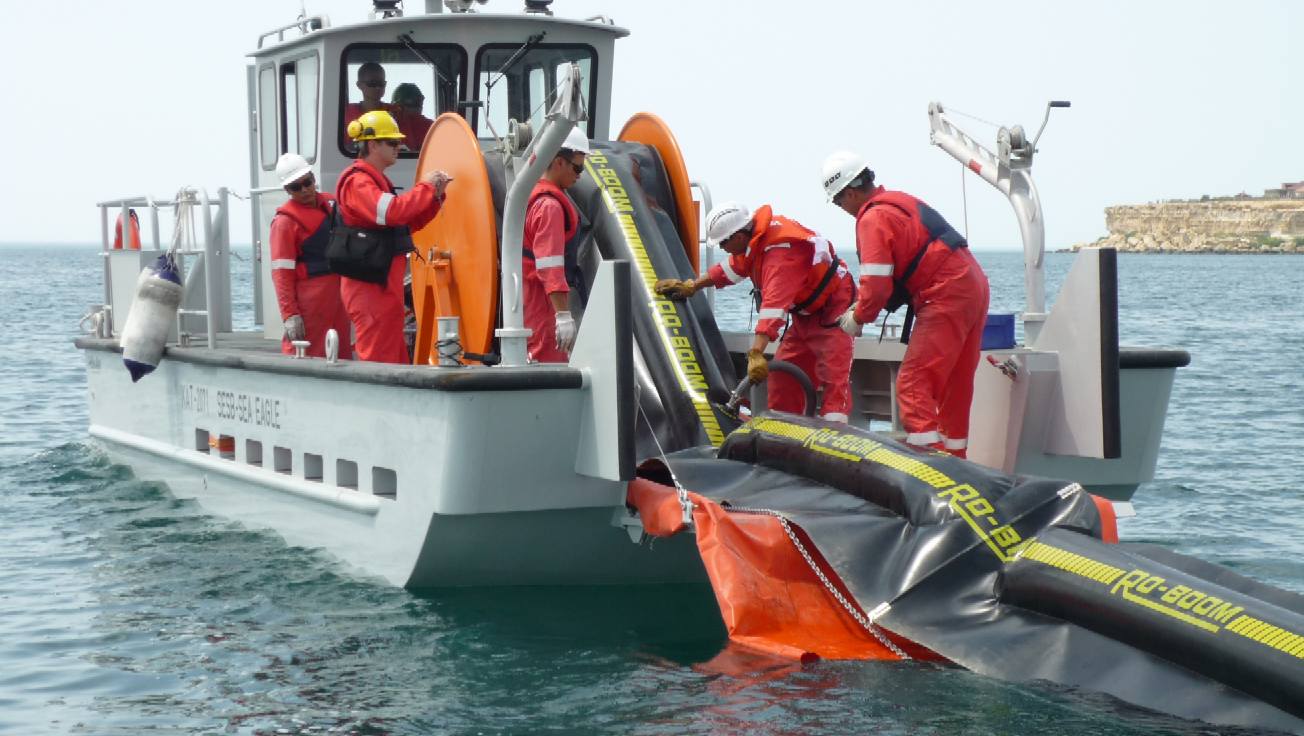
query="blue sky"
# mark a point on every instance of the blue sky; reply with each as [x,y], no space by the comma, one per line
[1170,99]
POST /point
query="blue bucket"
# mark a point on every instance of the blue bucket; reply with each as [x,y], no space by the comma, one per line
[998,333]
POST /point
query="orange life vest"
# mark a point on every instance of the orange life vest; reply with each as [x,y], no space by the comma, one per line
[769,230]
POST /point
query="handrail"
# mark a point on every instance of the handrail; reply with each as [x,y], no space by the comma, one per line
[709,261]
[213,232]
[305,25]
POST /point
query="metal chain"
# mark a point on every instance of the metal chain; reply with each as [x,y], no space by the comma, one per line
[854,611]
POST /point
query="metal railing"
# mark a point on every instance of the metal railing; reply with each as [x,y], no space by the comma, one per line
[212,267]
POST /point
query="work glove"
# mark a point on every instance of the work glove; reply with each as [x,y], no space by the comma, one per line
[565,331]
[294,329]
[675,289]
[849,324]
[758,369]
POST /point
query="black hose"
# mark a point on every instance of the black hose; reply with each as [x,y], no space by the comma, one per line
[800,376]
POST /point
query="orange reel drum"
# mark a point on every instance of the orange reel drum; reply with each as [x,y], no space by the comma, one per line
[650,130]
[455,266]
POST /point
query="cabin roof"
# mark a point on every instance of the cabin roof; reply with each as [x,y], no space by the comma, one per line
[454,20]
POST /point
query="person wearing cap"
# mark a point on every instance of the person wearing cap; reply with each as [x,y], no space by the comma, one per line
[803,285]
[307,293]
[910,255]
[369,206]
[551,220]
[408,102]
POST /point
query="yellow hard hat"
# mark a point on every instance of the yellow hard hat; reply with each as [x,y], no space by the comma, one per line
[374,125]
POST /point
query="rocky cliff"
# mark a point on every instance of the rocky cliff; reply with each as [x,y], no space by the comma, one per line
[1213,225]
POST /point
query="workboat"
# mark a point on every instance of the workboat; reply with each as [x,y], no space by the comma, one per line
[473,467]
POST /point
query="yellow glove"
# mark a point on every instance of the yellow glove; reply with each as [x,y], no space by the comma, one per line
[675,289]
[758,369]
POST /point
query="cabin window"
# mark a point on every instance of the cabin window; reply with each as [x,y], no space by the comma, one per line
[299,107]
[525,89]
[415,82]
[267,116]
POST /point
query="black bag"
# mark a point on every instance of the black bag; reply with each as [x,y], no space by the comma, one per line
[359,253]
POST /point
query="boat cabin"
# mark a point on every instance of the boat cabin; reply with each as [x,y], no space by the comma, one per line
[307,80]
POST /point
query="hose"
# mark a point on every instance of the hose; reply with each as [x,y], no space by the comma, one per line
[800,376]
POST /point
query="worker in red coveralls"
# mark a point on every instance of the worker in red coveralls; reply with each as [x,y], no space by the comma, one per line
[306,291]
[910,255]
[799,276]
[367,202]
[550,222]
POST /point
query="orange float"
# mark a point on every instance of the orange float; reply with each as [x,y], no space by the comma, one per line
[133,232]
[650,130]
[455,266]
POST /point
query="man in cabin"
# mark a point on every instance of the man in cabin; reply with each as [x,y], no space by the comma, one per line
[910,255]
[371,83]
[551,220]
[306,291]
[800,278]
[408,103]
[369,208]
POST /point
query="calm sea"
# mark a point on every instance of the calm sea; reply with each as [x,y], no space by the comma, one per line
[126,611]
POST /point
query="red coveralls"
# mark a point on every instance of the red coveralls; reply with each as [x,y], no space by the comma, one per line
[550,222]
[949,292]
[787,263]
[314,297]
[366,199]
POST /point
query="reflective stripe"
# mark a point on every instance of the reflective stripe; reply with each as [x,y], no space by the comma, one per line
[283,264]
[835,417]
[729,273]
[951,444]
[382,207]
[778,245]
[771,313]
[550,262]
[876,269]
[823,250]
[923,438]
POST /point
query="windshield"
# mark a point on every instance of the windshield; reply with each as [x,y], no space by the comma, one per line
[401,80]
[527,88]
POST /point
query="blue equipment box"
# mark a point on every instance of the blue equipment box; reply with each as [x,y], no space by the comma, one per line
[998,333]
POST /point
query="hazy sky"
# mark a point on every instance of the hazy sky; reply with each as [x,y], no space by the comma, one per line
[1170,99]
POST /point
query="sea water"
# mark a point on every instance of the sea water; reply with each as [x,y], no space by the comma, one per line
[126,611]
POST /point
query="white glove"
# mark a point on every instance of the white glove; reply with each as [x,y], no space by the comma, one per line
[849,324]
[294,329]
[565,331]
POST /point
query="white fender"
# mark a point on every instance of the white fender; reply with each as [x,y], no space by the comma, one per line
[154,310]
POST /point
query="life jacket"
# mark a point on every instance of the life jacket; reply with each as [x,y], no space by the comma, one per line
[570,215]
[312,252]
[928,227]
[398,238]
[770,230]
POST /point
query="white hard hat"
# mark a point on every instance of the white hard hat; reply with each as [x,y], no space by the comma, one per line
[726,220]
[291,167]
[840,169]
[576,140]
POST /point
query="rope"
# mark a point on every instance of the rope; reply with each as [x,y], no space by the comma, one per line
[851,609]
[972,117]
[450,350]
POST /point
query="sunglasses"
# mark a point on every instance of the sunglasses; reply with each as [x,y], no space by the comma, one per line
[577,168]
[373,85]
[295,186]
[391,142]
